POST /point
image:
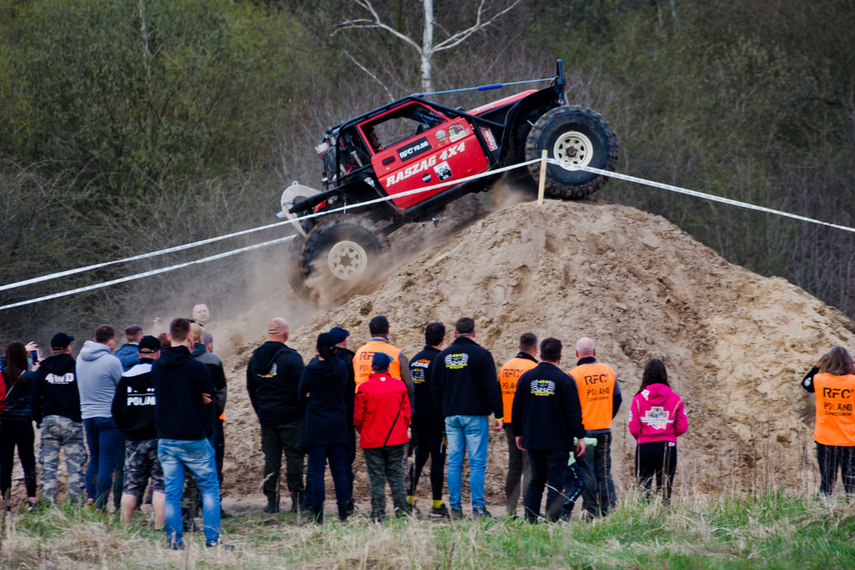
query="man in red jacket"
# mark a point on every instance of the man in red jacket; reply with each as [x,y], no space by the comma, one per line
[381,416]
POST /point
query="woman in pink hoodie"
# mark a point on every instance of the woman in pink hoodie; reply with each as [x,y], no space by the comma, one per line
[656,418]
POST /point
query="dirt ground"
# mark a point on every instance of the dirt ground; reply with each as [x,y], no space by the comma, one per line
[736,344]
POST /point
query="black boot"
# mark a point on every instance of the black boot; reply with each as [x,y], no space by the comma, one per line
[343,512]
[318,514]
[272,507]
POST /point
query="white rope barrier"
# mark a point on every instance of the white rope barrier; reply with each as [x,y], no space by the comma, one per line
[146,274]
[343,209]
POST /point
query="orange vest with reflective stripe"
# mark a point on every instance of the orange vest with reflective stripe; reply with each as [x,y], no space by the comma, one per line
[596,383]
[835,398]
[508,376]
[362,360]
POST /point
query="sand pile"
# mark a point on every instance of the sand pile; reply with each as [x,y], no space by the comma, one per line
[736,344]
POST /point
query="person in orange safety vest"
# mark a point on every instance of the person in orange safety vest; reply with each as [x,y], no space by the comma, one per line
[599,394]
[518,463]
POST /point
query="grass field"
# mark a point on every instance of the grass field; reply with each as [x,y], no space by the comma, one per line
[774,530]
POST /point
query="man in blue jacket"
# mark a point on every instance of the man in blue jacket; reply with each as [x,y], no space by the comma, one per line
[465,387]
[183,390]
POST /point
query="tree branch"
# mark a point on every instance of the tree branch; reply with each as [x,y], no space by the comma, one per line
[463,35]
[371,75]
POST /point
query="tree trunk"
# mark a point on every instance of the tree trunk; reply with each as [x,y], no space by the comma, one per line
[427,47]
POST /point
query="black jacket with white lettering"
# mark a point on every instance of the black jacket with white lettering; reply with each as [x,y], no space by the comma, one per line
[547,413]
[464,382]
[55,389]
[133,404]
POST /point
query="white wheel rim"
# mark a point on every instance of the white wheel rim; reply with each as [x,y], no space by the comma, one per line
[573,147]
[347,260]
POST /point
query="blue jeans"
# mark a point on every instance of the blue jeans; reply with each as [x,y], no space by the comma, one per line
[197,456]
[472,433]
[105,443]
[318,455]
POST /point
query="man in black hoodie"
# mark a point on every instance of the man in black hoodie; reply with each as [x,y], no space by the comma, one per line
[272,377]
[55,404]
[133,412]
[466,389]
[545,417]
[183,391]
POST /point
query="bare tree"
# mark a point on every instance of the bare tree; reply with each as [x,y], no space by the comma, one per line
[427,48]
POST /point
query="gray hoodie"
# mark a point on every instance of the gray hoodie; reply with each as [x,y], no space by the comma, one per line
[98,373]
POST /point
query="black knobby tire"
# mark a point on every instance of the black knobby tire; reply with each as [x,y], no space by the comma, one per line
[342,249]
[293,273]
[575,134]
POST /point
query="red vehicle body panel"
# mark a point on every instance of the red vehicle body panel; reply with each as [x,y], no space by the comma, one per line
[448,152]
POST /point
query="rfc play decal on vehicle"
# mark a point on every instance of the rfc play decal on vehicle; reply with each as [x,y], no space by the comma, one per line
[456,132]
[415,148]
[443,171]
[489,139]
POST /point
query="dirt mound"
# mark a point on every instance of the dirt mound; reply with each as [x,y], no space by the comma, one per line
[735,343]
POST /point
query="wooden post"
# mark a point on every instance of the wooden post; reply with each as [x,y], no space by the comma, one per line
[542,185]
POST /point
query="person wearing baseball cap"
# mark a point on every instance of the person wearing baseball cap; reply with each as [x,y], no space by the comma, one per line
[133,411]
[382,416]
[55,405]
[340,335]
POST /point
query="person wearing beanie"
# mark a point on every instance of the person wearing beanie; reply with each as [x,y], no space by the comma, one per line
[133,411]
[381,416]
[324,434]
[55,406]
[272,377]
[98,374]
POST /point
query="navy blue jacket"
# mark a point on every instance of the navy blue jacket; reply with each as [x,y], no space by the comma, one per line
[322,389]
[546,410]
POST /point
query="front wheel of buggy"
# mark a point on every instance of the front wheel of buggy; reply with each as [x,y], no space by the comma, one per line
[577,136]
[341,252]
[293,273]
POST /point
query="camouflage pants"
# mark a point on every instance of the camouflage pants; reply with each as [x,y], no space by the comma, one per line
[61,432]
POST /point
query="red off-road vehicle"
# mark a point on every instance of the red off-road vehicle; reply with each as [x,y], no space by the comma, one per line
[414,143]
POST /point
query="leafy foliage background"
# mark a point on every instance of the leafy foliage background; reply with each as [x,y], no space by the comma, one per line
[127,126]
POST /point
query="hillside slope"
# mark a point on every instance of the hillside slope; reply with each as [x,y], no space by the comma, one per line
[736,344]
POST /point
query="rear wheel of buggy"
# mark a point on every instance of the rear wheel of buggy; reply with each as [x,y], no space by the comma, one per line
[340,253]
[574,135]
